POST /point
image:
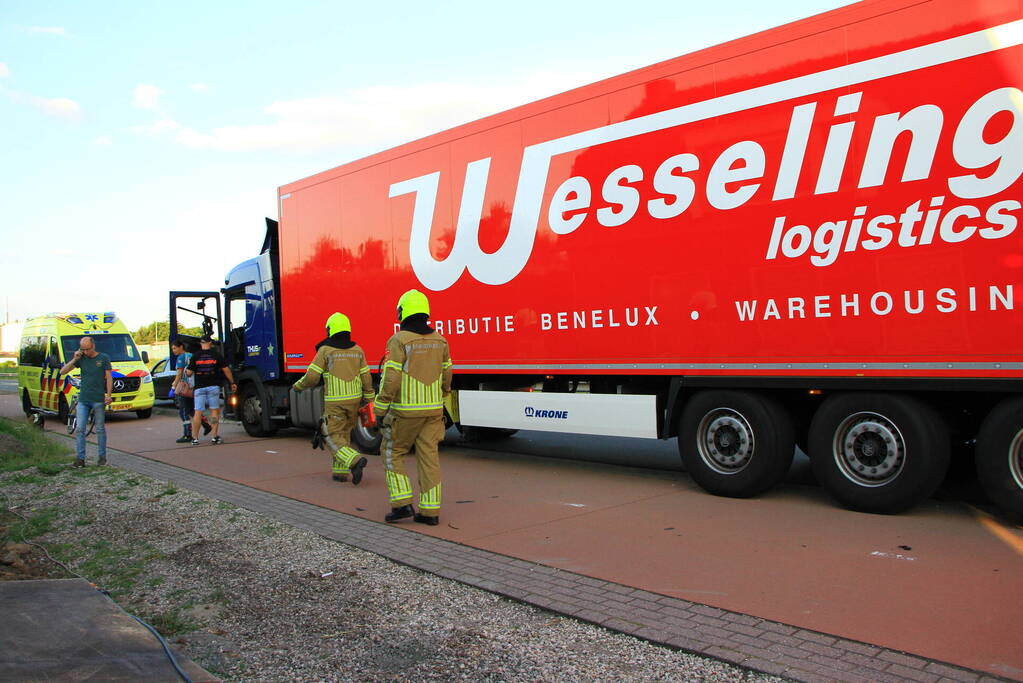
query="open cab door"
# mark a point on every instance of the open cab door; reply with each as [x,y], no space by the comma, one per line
[192,315]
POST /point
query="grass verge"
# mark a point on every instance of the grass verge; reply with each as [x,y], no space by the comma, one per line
[23,446]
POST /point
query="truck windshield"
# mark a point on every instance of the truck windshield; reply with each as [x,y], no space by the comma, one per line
[119,347]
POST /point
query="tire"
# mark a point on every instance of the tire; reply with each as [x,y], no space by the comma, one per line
[735,443]
[144,414]
[880,453]
[71,421]
[252,412]
[367,440]
[1000,457]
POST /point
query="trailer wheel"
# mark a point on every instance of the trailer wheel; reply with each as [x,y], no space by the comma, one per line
[368,439]
[734,443]
[252,412]
[880,453]
[1000,457]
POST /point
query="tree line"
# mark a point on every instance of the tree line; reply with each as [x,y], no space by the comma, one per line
[159,331]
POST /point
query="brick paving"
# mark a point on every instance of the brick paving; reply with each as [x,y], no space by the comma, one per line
[748,641]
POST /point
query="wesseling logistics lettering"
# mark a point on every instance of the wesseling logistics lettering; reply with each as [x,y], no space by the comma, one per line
[742,170]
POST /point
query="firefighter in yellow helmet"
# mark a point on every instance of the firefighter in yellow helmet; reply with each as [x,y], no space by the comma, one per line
[347,382]
[410,409]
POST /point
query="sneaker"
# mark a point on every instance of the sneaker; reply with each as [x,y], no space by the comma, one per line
[79,462]
[195,442]
[206,427]
[216,440]
[404,512]
[357,470]
[340,477]
[101,462]
[184,438]
[432,520]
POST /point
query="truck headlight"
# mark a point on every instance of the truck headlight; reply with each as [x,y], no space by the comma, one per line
[75,381]
[147,378]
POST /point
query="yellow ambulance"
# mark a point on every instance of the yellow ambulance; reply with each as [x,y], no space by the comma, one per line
[49,341]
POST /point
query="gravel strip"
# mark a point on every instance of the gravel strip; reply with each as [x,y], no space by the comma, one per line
[269,602]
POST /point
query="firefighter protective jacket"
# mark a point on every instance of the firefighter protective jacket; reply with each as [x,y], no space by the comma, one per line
[417,375]
[345,374]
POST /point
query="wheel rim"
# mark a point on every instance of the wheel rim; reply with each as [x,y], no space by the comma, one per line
[364,433]
[725,441]
[252,410]
[869,449]
[1016,459]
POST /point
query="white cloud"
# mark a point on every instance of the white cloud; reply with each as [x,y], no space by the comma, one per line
[377,116]
[146,96]
[104,140]
[161,126]
[62,252]
[59,107]
[51,30]
[200,87]
[4,71]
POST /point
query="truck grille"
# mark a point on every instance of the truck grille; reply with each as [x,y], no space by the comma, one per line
[124,384]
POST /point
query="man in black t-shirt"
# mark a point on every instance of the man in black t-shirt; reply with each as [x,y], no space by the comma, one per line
[208,367]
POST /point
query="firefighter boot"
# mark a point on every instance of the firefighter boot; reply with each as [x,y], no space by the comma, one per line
[404,512]
[432,520]
[357,470]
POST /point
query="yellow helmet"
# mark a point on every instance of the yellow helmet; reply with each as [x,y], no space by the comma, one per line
[338,322]
[411,302]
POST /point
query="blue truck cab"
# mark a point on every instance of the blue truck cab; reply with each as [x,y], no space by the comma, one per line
[246,317]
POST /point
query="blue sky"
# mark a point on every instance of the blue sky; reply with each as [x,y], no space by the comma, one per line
[143,143]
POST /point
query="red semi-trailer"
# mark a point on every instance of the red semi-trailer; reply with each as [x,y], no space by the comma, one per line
[807,236]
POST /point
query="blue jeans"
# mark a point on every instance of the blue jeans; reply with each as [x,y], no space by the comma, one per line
[186,406]
[82,413]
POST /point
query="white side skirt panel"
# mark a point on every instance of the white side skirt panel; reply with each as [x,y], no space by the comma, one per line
[603,414]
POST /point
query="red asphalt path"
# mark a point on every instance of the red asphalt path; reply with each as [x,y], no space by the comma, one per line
[942,581]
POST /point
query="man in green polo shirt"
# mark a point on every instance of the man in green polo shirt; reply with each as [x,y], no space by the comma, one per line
[95,378]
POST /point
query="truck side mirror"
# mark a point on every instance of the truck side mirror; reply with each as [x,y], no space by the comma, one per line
[145,356]
[53,363]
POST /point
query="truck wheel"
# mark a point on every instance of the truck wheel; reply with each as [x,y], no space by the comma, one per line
[735,443]
[252,413]
[880,453]
[1000,457]
[367,439]
[144,414]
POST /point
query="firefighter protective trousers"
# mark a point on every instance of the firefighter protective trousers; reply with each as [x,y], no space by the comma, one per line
[399,435]
[338,422]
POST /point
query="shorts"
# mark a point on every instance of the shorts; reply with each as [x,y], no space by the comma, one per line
[207,397]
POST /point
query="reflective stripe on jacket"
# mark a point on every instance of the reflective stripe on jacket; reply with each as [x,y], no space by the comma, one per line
[417,375]
[344,371]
